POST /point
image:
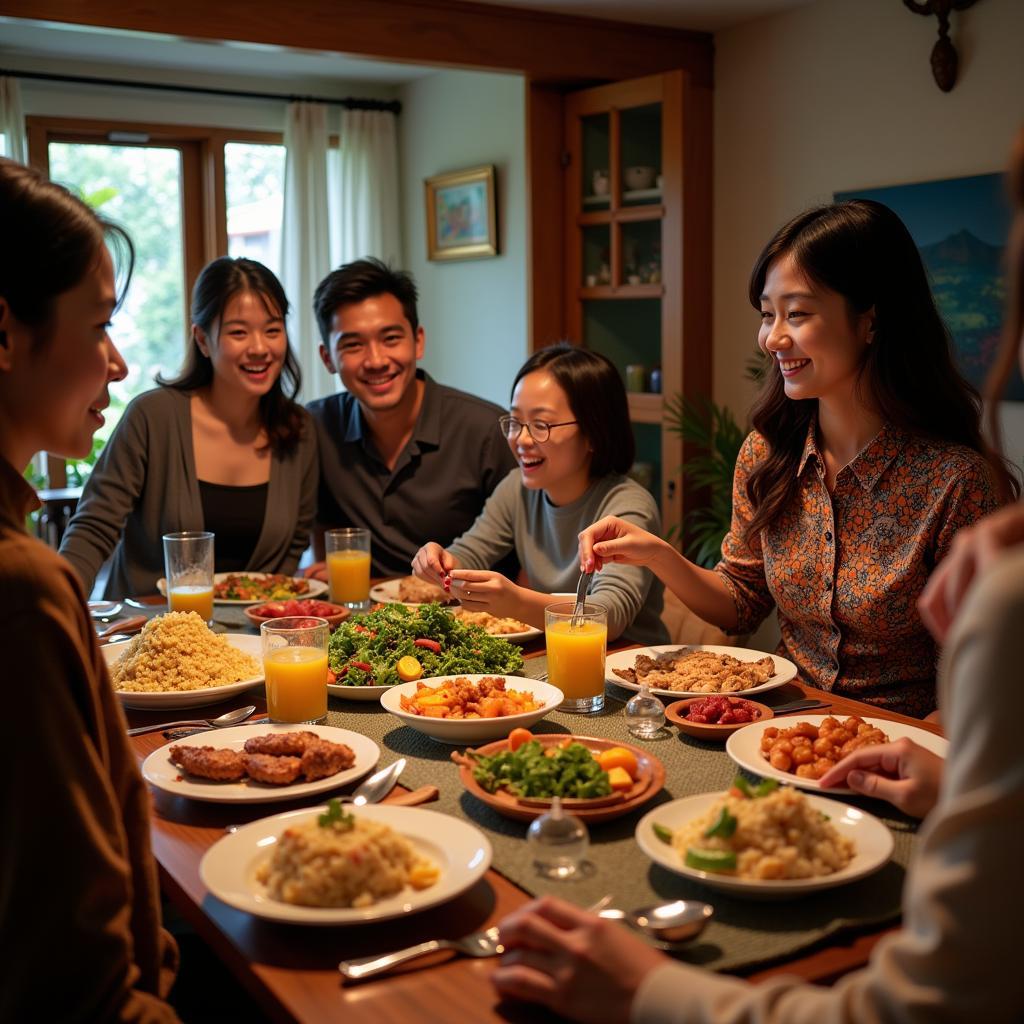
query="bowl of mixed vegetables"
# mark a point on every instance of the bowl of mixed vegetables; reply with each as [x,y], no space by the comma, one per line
[596,779]
[395,644]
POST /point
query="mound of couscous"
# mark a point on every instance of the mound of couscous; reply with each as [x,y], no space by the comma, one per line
[778,836]
[338,860]
[178,651]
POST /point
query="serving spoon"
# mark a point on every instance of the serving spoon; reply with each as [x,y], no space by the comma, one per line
[668,923]
[224,721]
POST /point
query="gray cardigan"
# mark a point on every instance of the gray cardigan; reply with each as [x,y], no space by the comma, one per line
[144,485]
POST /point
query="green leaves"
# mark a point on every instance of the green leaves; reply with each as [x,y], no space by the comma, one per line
[334,815]
[569,771]
[713,430]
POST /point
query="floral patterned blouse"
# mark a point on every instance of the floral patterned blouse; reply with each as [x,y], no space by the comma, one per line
[845,569]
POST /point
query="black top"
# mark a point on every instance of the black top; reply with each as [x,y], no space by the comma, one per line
[442,478]
[234,515]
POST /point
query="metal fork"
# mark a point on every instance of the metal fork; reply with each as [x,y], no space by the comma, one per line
[479,944]
[581,600]
[482,943]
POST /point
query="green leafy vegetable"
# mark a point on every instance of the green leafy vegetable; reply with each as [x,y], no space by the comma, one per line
[334,815]
[724,826]
[662,833]
[569,771]
[763,788]
[378,639]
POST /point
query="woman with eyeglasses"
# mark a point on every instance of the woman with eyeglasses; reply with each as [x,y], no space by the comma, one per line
[568,427]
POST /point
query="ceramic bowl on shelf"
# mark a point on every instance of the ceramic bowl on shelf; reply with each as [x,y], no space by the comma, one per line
[637,178]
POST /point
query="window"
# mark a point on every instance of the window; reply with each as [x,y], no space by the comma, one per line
[185,196]
[254,177]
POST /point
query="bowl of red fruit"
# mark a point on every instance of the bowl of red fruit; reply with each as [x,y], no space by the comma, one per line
[715,716]
[335,614]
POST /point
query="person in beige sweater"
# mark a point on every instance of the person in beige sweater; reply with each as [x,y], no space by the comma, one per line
[955,958]
[79,901]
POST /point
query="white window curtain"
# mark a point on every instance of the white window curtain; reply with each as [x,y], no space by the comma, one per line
[305,239]
[356,185]
[363,180]
[12,120]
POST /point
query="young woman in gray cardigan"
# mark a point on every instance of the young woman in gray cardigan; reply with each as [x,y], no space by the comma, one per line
[222,447]
[570,432]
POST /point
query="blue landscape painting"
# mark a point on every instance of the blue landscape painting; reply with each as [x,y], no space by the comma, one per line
[960,226]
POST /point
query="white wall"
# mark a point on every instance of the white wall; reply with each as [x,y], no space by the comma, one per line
[473,311]
[839,95]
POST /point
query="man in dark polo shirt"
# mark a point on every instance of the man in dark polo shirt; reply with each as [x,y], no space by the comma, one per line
[407,458]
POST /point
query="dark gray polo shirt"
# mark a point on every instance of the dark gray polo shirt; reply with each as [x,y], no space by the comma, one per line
[454,459]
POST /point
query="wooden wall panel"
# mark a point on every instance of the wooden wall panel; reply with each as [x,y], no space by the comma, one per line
[547,47]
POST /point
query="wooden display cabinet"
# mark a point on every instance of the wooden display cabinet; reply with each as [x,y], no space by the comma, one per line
[637,243]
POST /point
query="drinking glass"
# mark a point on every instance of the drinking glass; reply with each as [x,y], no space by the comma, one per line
[576,651]
[295,667]
[188,567]
[348,567]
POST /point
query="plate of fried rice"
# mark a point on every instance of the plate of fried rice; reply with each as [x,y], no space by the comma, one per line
[338,865]
[784,844]
[177,661]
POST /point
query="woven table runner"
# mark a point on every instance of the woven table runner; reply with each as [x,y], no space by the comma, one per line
[743,934]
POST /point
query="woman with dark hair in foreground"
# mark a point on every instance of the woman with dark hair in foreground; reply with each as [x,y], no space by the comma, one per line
[79,902]
[223,447]
[956,957]
[865,460]
[568,427]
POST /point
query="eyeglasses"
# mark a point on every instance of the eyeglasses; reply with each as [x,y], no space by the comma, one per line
[538,429]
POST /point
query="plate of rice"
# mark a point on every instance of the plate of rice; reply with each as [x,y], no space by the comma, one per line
[335,865]
[780,845]
[177,661]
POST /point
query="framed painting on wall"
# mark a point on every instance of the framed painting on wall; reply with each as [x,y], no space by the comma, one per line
[461,221]
[960,226]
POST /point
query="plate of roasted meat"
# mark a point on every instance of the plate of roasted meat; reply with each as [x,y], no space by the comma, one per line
[259,763]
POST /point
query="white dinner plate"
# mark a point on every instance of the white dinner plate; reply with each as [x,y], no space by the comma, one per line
[386,592]
[460,850]
[744,746]
[245,642]
[785,670]
[472,730]
[316,587]
[522,637]
[159,770]
[873,845]
[368,693]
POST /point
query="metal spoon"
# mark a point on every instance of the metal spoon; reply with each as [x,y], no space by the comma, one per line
[669,923]
[229,718]
[105,611]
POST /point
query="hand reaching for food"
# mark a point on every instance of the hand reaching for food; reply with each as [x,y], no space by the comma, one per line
[905,774]
[316,571]
[615,540]
[432,564]
[480,590]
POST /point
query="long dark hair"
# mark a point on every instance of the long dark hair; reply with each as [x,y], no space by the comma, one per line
[597,399]
[1013,325]
[218,282]
[863,251]
[52,239]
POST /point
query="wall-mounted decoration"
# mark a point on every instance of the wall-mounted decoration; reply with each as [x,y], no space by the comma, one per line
[960,226]
[461,221]
[944,57]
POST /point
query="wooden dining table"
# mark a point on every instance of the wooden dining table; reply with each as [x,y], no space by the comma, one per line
[291,970]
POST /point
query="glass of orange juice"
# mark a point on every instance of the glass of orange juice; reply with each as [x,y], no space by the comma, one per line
[188,565]
[348,567]
[576,650]
[295,667]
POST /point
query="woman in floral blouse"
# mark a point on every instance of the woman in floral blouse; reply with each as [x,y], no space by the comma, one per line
[865,459]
